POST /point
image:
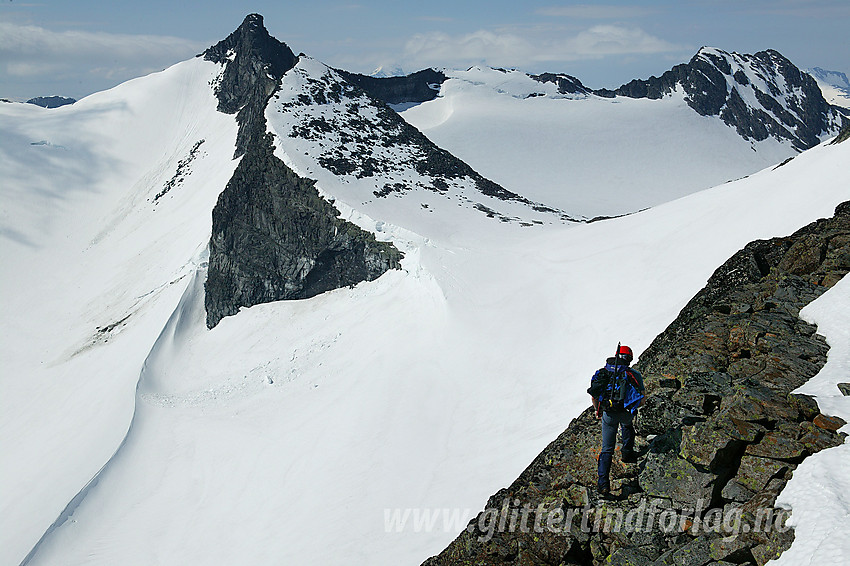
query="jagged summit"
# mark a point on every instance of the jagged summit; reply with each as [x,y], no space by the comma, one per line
[761,95]
[252,39]
[273,236]
[258,61]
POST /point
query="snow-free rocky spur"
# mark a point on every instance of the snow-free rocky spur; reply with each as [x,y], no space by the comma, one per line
[721,428]
[161,401]
[273,236]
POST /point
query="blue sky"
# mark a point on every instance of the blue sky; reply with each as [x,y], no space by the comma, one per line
[74,48]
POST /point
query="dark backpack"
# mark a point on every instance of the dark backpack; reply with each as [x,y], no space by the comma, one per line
[611,388]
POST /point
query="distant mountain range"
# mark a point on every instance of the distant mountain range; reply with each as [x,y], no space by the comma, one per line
[761,95]
[834,85]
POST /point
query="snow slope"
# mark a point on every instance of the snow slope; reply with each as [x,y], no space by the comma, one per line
[286,433]
[585,154]
[93,265]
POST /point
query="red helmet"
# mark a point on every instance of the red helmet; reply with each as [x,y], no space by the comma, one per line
[625,352]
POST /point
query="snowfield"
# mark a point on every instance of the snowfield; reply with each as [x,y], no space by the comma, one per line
[587,155]
[93,263]
[131,434]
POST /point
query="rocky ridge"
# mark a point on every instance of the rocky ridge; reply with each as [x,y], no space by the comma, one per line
[417,87]
[357,137]
[273,236]
[761,95]
[834,85]
[567,84]
[51,101]
[718,438]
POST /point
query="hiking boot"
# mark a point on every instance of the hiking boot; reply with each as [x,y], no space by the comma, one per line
[629,457]
[604,490]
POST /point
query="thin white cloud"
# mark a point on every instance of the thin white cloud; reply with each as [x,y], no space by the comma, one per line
[595,11]
[525,47]
[603,40]
[437,48]
[27,51]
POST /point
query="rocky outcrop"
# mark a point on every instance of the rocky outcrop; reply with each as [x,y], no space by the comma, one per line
[273,236]
[762,95]
[567,84]
[51,101]
[254,62]
[842,136]
[719,436]
[421,86]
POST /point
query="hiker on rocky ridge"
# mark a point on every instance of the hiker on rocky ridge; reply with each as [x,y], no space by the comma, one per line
[617,391]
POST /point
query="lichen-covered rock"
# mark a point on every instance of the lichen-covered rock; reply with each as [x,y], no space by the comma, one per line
[828,423]
[777,446]
[669,476]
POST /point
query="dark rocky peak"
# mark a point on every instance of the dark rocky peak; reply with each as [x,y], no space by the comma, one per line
[761,95]
[51,101]
[567,84]
[273,236]
[420,86]
[254,63]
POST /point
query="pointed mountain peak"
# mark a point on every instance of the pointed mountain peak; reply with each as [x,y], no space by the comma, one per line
[251,41]
[254,64]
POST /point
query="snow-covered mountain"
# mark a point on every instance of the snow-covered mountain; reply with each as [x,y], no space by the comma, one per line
[719,117]
[762,95]
[291,430]
[383,72]
[834,85]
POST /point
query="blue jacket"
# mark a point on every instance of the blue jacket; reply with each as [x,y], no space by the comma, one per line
[634,394]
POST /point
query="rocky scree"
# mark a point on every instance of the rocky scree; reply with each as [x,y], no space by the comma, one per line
[273,236]
[720,433]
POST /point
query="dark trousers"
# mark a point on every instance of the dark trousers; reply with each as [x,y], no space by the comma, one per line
[610,423]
